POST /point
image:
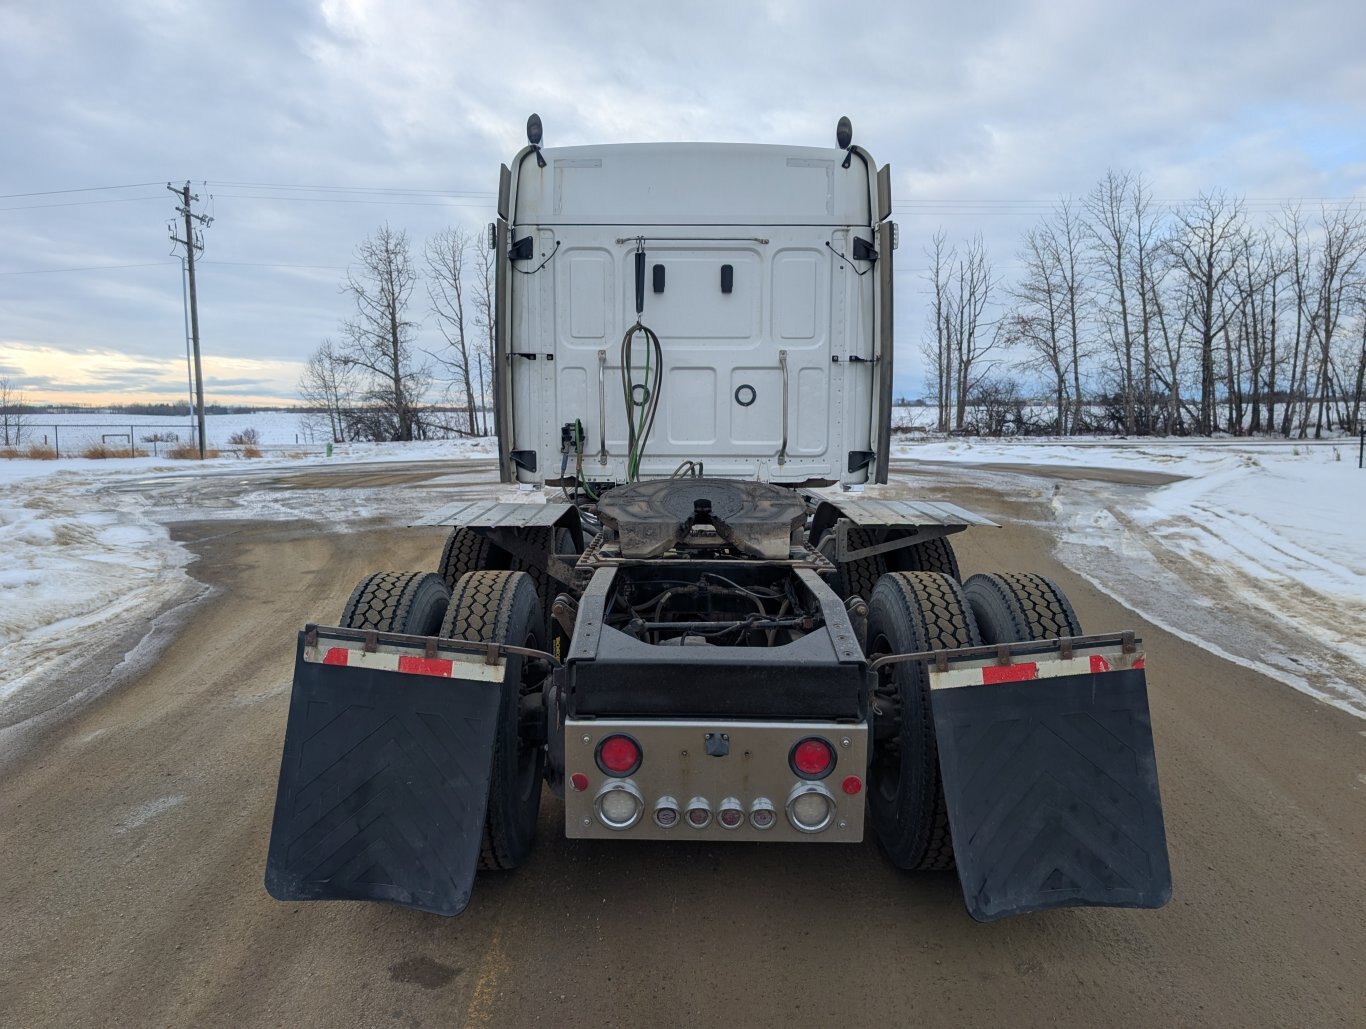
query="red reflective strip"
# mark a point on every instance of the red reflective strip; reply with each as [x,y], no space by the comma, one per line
[1138,663]
[1010,673]
[335,656]
[1099,664]
[425,666]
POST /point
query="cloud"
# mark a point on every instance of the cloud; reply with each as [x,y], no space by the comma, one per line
[990,101]
[108,376]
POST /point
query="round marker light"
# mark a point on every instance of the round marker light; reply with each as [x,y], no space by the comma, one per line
[812,758]
[731,815]
[761,814]
[619,805]
[852,785]
[810,807]
[578,782]
[618,755]
[699,813]
[666,812]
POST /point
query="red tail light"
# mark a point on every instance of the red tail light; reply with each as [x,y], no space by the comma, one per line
[619,755]
[812,758]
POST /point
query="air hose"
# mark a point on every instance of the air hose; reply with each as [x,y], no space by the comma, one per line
[640,410]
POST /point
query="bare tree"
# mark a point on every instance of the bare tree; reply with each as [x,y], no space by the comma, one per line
[1205,249]
[13,419]
[1037,321]
[1112,229]
[327,388]
[1352,421]
[1255,284]
[968,335]
[445,254]
[1147,247]
[1299,255]
[378,340]
[937,352]
[1069,234]
[485,320]
[1339,280]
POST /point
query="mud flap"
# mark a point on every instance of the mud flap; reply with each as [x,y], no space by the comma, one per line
[1051,786]
[383,784]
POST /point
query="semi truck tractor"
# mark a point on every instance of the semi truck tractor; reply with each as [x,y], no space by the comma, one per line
[694,623]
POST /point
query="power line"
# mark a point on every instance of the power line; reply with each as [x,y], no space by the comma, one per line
[82,189]
[255,264]
[90,268]
[398,190]
[454,201]
[76,203]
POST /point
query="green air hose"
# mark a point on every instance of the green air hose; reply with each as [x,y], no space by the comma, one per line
[639,423]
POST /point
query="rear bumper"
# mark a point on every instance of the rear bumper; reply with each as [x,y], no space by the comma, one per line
[724,764]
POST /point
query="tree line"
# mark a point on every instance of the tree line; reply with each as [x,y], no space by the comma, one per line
[372,381]
[1132,317]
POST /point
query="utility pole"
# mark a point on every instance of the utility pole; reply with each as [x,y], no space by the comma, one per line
[193,244]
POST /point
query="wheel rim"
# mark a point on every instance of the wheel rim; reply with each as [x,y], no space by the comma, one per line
[886,763]
[527,751]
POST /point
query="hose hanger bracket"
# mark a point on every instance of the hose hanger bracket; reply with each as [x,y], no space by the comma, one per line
[640,278]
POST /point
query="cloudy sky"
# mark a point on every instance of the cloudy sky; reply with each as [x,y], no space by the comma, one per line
[311,123]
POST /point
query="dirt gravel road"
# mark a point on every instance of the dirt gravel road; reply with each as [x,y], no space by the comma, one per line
[133,834]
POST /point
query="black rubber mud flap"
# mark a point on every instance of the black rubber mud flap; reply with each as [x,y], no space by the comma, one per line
[1052,795]
[383,787]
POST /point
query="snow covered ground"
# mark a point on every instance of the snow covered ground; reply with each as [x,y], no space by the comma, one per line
[85,550]
[1257,551]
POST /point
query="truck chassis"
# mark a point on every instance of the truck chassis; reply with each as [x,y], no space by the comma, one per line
[671,677]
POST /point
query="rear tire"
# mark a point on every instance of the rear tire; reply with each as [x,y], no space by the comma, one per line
[548,540]
[407,602]
[501,606]
[859,577]
[468,551]
[910,612]
[934,555]
[1017,607]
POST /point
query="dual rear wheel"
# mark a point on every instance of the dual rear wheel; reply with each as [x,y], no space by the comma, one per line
[910,611]
[919,611]
[486,605]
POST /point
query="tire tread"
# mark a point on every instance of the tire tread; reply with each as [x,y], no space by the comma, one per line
[383,601]
[933,607]
[483,608]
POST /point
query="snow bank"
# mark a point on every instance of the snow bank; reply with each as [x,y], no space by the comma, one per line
[1258,554]
[77,566]
[86,557]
